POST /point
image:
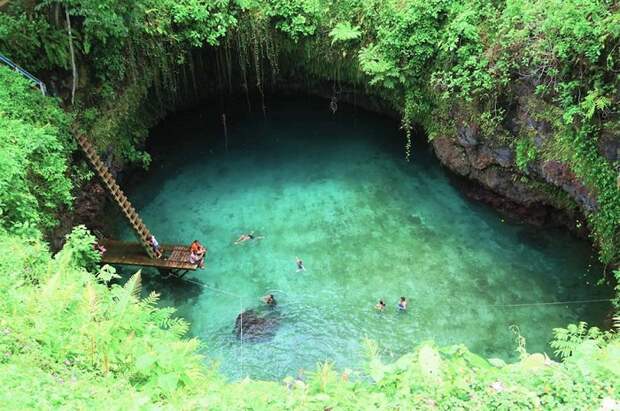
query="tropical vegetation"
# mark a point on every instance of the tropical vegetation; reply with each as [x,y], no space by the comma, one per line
[540,77]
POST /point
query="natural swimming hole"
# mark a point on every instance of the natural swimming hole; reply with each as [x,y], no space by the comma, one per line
[336,191]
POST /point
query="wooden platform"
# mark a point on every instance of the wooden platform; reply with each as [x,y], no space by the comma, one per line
[175,257]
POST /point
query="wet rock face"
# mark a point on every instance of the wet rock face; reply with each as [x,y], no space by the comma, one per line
[501,183]
[560,175]
[256,326]
[452,155]
[609,145]
[493,167]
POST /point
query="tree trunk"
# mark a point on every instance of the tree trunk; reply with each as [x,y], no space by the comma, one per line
[73,66]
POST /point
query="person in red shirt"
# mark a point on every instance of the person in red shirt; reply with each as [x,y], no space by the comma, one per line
[197,253]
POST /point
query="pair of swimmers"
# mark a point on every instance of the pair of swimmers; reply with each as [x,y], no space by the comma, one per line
[402,305]
[250,236]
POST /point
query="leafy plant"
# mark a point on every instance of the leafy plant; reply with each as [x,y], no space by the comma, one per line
[566,340]
[34,155]
[525,151]
[344,32]
[79,250]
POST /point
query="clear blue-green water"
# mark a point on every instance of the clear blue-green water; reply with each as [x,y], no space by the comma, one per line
[336,191]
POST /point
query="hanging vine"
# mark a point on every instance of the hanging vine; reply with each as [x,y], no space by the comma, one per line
[256,49]
[406,123]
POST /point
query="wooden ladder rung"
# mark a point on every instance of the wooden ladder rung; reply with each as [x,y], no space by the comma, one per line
[117,193]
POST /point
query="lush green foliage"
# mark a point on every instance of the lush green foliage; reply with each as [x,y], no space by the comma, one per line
[537,76]
[75,340]
[34,149]
[67,338]
[121,49]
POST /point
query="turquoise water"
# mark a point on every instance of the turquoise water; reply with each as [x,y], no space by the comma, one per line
[336,191]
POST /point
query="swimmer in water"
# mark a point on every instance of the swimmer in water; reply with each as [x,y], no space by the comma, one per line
[269,300]
[333,104]
[380,305]
[247,237]
[402,304]
[300,264]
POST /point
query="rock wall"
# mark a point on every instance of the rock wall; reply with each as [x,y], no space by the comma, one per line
[532,194]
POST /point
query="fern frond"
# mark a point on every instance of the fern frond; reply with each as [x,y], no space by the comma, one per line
[178,326]
[344,32]
[134,285]
[151,300]
[195,373]
[161,316]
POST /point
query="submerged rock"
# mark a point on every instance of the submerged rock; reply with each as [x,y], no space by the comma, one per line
[256,326]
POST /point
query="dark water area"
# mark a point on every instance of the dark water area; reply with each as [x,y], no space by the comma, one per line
[336,191]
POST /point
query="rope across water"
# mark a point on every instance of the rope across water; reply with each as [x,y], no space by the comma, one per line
[527,304]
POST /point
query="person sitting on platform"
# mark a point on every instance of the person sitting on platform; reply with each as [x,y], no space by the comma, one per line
[247,237]
[197,254]
[155,246]
[269,300]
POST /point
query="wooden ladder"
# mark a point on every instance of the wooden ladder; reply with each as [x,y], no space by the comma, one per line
[142,232]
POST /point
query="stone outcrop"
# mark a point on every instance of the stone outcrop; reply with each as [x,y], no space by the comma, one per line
[256,326]
[500,183]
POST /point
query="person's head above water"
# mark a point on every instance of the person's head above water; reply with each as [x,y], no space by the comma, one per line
[403,299]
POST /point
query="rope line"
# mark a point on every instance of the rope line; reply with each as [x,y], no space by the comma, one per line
[532,304]
[600,300]
[224,292]
[219,290]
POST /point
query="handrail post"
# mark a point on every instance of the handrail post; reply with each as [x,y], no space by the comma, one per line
[4,59]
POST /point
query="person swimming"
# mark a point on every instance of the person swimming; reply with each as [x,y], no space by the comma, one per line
[247,237]
[402,304]
[380,305]
[270,300]
[300,264]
